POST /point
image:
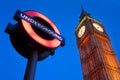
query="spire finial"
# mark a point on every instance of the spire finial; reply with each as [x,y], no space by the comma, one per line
[82,8]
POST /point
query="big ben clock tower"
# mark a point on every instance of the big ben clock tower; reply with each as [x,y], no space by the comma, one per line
[98,58]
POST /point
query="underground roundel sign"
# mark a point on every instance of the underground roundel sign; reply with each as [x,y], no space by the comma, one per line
[33,21]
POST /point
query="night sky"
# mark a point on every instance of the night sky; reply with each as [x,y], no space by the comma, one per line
[65,64]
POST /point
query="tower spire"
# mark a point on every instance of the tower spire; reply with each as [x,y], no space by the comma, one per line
[83,13]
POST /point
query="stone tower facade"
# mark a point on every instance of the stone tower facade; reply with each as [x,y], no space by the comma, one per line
[98,58]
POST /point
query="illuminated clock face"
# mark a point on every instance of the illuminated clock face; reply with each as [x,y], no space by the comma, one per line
[98,27]
[81,31]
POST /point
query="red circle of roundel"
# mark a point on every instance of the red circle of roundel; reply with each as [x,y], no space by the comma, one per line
[28,28]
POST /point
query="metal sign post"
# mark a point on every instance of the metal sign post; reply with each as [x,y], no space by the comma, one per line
[31,66]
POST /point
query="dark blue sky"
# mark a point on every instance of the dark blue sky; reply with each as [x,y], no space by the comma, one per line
[65,64]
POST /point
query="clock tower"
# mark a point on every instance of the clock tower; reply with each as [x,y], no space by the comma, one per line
[98,58]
